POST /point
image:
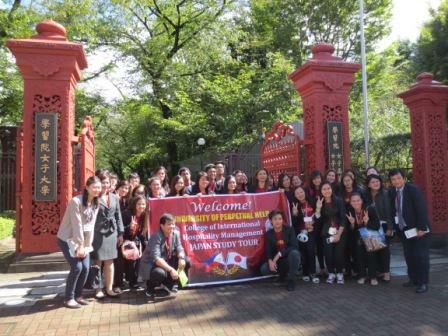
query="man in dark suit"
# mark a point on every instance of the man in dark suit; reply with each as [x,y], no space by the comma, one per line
[281,249]
[411,214]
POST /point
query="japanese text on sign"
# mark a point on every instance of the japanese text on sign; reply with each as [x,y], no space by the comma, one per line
[45,153]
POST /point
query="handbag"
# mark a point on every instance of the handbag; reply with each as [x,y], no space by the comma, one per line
[374,240]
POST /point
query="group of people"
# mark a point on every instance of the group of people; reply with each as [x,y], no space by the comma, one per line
[107,226]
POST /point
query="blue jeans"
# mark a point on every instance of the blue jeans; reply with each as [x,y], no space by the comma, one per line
[79,270]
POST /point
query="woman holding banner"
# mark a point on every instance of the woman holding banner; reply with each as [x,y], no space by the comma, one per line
[201,187]
[177,187]
[261,182]
[229,186]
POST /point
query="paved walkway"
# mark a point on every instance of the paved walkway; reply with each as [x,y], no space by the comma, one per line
[29,305]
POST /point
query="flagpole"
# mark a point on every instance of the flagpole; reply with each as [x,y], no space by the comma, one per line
[364,84]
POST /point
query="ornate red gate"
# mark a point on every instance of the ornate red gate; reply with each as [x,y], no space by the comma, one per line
[281,151]
[84,158]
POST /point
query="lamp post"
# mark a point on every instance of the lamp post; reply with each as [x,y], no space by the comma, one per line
[201,143]
[364,84]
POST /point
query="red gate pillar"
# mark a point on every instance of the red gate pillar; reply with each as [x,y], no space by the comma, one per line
[324,83]
[50,66]
[427,101]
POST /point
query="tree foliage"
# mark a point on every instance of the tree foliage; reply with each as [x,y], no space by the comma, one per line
[215,69]
[431,49]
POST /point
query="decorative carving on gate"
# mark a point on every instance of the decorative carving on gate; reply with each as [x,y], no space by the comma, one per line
[324,84]
[309,135]
[50,66]
[87,141]
[281,150]
[427,101]
[45,215]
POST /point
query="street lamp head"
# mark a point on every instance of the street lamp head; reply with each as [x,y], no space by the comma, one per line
[201,141]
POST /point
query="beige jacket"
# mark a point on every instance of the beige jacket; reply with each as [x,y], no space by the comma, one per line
[76,225]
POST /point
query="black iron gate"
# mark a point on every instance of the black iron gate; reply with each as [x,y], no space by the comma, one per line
[8,168]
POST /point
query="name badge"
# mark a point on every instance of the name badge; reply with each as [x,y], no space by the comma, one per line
[396,220]
[308,219]
[332,231]
[89,227]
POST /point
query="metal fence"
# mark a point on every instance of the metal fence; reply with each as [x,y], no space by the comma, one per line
[8,168]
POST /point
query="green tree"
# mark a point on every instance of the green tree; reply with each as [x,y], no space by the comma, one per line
[15,20]
[431,50]
[389,73]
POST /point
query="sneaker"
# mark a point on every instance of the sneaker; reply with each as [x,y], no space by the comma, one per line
[118,290]
[72,304]
[306,278]
[164,295]
[99,295]
[150,295]
[291,285]
[374,282]
[340,278]
[331,278]
[169,290]
[362,281]
[315,279]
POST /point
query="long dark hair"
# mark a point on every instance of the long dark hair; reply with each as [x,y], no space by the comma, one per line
[313,175]
[335,175]
[257,182]
[150,181]
[307,197]
[225,189]
[333,196]
[354,184]
[196,188]
[134,191]
[280,180]
[133,210]
[126,199]
[165,183]
[243,185]
[85,193]
[173,191]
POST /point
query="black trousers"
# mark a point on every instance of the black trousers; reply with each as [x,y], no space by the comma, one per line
[383,258]
[351,253]
[159,276]
[320,243]
[367,265]
[118,269]
[308,254]
[416,254]
[286,266]
[335,255]
[131,271]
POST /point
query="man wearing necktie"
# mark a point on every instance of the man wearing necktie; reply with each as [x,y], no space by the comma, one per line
[410,211]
